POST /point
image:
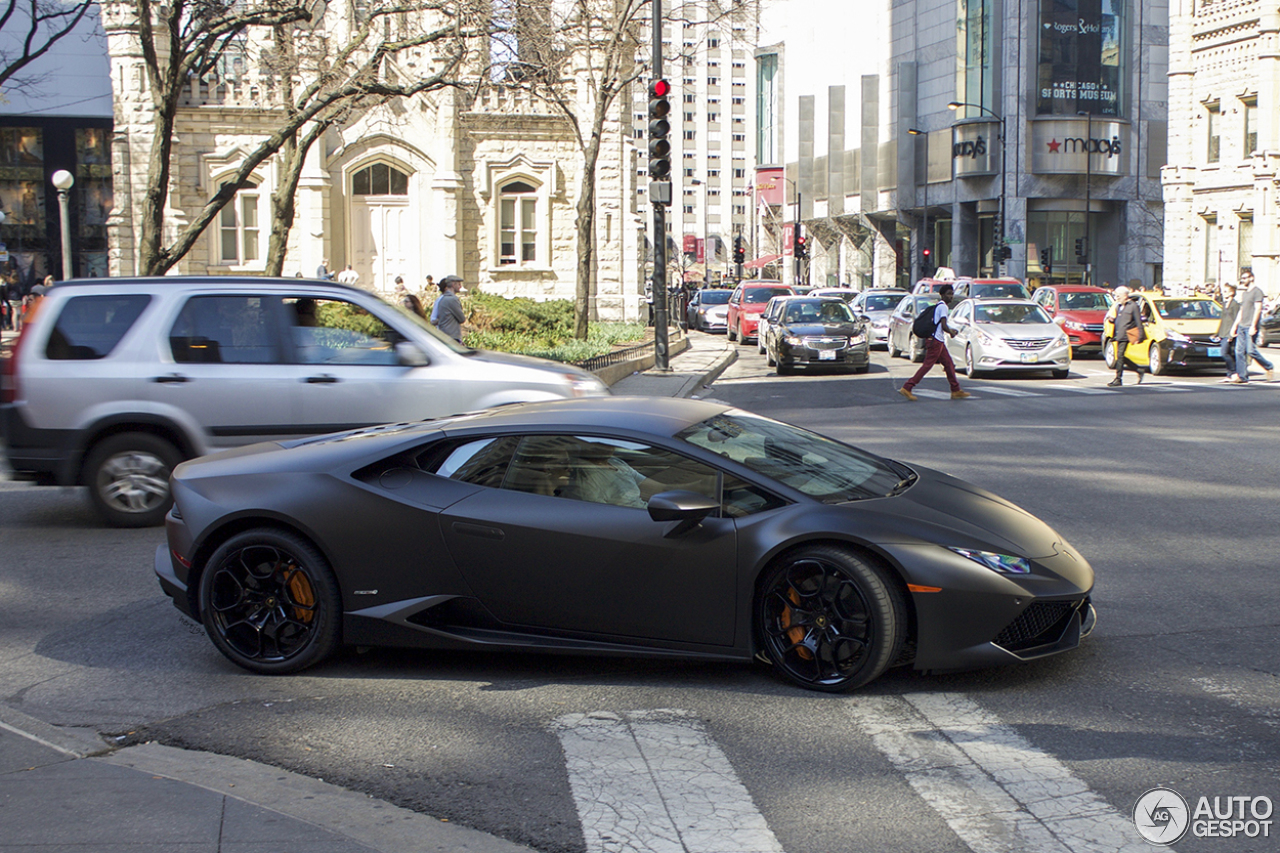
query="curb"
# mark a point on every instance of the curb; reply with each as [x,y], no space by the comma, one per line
[72,742]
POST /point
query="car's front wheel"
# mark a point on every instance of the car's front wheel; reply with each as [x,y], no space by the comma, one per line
[970,368]
[894,352]
[270,602]
[1109,353]
[1156,360]
[128,478]
[728,330]
[829,619]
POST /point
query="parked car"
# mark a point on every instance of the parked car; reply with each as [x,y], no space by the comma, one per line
[116,381]
[876,306]
[1182,331]
[1007,334]
[618,526]
[746,304]
[1080,309]
[1269,327]
[932,285]
[709,310]
[900,339]
[848,294]
[814,333]
[990,288]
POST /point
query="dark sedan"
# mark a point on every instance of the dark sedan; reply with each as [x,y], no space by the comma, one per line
[822,332]
[1269,328]
[620,526]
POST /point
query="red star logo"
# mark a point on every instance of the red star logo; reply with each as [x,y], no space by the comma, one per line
[1054,146]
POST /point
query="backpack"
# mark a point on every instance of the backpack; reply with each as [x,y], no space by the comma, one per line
[923,327]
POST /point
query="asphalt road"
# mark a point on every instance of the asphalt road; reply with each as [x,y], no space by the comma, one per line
[1170,489]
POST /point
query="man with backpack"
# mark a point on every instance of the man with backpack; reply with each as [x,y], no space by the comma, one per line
[929,327]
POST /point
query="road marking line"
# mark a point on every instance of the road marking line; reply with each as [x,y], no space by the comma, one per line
[655,782]
[1081,389]
[1010,392]
[993,788]
[933,395]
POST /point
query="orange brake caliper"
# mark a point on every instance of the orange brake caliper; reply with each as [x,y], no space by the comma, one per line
[794,634]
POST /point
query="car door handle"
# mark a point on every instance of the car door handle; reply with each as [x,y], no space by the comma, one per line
[480,530]
[322,379]
[170,378]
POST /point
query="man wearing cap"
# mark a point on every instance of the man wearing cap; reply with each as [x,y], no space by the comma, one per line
[447,313]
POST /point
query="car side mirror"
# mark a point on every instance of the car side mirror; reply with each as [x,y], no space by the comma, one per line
[684,506]
[409,355]
[1060,320]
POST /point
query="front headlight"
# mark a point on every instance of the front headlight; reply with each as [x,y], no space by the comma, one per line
[879,324]
[794,340]
[1177,336]
[999,563]
[1062,340]
[585,386]
[1073,325]
[987,340]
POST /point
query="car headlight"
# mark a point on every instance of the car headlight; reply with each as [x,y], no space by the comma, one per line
[585,386]
[987,340]
[1177,336]
[999,563]
[880,324]
[794,340]
[1062,340]
[1073,325]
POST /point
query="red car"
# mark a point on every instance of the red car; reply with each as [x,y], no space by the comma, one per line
[747,304]
[1080,310]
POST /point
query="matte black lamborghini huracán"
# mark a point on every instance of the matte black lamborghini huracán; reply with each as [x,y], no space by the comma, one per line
[633,526]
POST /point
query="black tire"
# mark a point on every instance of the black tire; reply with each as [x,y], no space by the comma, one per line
[785,368]
[916,351]
[270,602]
[1061,374]
[1155,360]
[728,331]
[851,629]
[769,359]
[128,478]
[742,336]
[1109,353]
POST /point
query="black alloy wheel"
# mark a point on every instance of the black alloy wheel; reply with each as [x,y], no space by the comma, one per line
[270,603]
[830,620]
[128,478]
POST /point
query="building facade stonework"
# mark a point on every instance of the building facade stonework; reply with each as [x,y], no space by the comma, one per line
[1222,181]
[477,181]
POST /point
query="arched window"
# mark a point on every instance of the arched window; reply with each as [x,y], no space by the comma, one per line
[518,224]
[238,228]
[380,179]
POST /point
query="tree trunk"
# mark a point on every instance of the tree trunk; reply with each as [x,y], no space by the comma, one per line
[285,199]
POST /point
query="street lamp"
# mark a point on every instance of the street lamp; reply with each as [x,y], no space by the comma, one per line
[1088,200]
[63,181]
[955,105]
[924,225]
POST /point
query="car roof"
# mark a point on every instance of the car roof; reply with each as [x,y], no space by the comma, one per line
[230,282]
[1075,288]
[658,416]
[1001,300]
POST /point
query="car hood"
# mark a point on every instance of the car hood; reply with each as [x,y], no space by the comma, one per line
[1083,316]
[806,329]
[512,359]
[878,315]
[944,501]
[1019,331]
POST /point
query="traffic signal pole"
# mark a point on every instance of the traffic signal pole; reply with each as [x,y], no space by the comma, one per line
[659,162]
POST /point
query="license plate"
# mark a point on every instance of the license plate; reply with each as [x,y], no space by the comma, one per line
[826,355]
[1028,358]
[1214,352]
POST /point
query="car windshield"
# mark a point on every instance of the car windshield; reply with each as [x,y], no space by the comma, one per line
[764,294]
[818,312]
[715,297]
[1011,314]
[881,303]
[1085,301]
[1188,309]
[820,467]
[1012,291]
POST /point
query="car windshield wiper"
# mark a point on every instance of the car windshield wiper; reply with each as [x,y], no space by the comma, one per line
[904,484]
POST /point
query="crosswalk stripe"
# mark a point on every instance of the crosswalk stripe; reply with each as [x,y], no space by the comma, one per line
[1008,392]
[993,788]
[655,782]
[933,395]
[1081,389]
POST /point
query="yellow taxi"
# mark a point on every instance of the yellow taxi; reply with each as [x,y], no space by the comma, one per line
[1182,331]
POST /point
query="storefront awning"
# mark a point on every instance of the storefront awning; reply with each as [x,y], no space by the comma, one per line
[760,261]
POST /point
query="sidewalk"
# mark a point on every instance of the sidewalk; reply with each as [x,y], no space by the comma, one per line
[69,790]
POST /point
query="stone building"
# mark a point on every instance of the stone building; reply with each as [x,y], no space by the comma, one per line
[1221,184]
[478,181]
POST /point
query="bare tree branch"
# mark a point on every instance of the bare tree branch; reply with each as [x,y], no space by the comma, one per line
[42,24]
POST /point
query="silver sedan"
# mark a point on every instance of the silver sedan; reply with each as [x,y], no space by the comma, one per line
[1007,334]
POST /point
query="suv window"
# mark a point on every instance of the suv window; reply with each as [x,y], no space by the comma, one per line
[334,331]
[89,327]
[232,329]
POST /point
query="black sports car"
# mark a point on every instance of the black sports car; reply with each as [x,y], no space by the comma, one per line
[625,526]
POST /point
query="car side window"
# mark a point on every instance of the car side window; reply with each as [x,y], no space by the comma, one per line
[89,327]
[335,331]
[741,498]
[231,329]
[481,462]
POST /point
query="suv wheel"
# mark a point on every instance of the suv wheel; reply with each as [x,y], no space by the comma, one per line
[128,479]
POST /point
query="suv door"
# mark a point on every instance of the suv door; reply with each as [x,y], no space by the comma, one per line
[222,370]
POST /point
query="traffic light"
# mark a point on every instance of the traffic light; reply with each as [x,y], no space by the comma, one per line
[1046,259]
[659,128]
[739,250]
[1082,249]
[1004,252]
[802,244]
[926,262]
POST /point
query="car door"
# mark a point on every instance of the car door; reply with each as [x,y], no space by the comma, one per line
[350,373]
[223,368]
[561,546]
[735,305]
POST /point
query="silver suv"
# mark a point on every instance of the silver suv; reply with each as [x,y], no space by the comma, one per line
[116,381]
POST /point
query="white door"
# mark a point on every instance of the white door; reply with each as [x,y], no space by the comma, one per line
[384,229]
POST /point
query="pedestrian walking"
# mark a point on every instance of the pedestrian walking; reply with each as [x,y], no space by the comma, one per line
[1127,330]
[1251,299]
[1226,333]
[935,348]
[447,313]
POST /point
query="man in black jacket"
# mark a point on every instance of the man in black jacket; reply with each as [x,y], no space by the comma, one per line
[1128,318]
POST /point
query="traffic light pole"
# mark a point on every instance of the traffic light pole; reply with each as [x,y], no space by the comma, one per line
[795,241]
[661,352]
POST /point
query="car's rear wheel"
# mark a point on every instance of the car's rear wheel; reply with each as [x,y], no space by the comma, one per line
[829,619]
[1156,360]
[270,602]
[128,478]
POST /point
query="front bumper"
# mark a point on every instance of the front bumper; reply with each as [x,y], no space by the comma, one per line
[816,353]
[1191,354]
[713,322]
[1050,358]
[1088,339]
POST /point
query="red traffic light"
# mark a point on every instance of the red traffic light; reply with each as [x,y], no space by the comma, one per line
[659,89]
[928,252]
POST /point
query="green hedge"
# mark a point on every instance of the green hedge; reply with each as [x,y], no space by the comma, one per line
[543,329]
